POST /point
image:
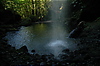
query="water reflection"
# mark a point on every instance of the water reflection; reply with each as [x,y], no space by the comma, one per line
[39,38]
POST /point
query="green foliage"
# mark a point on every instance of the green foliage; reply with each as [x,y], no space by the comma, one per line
[25,8]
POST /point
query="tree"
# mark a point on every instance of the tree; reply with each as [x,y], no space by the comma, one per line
[25,8]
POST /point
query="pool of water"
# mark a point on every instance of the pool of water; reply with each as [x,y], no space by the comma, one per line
[42,38]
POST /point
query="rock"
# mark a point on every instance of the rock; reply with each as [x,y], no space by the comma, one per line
[33,52]
[92,30]
[23,49]
[66,51]
[75,33]
[42,64]
[53,64]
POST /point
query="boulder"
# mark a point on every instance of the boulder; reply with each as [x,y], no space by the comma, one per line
[66,50]
[23,49]
[75,33]
[33,51]
[92,30]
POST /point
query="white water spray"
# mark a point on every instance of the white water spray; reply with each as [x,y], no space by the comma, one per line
[58,42]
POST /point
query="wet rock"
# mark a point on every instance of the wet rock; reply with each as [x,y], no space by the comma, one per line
[33,51]
[79,58]
[23,49]
[92,30]
[66,50]
[75,33]
[43,58]
[42,64]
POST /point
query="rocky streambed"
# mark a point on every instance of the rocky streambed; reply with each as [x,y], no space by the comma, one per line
[88,53]
[85,56]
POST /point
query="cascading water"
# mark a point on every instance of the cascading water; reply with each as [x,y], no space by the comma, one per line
[57,42]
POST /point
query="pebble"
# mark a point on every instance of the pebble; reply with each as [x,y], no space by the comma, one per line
[42,63]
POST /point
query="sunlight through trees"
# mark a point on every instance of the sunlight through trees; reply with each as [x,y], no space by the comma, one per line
[26,8]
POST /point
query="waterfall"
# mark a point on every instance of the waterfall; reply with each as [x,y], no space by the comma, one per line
[44,38]
[58,42]
[57,17]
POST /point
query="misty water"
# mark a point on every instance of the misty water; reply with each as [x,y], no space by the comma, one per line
[44,38]
[39,38]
